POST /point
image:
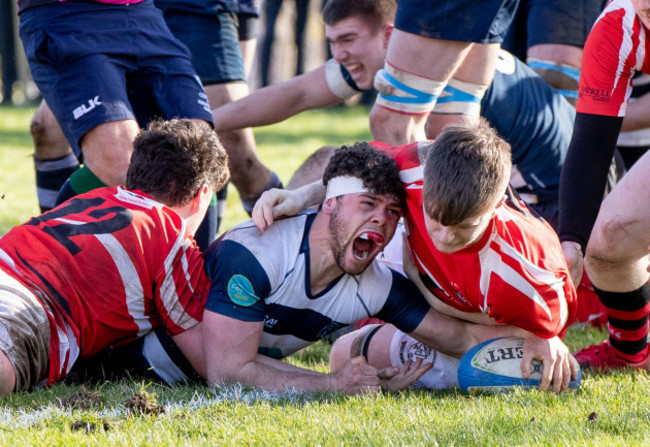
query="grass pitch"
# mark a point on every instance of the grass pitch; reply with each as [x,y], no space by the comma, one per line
[612,409]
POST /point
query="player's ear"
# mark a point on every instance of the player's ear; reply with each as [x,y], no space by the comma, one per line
[201,196]
[329,205]
[388,30]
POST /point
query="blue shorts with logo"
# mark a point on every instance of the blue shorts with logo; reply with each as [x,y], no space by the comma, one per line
[96,63]
[483,21]
[565,22]
[213,41]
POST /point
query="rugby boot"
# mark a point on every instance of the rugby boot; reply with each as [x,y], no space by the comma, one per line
[602,357]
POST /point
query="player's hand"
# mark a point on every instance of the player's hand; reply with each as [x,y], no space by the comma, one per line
[574,259]
[356,376]
[559,365]
[396,379]
[648,268]
[273,204]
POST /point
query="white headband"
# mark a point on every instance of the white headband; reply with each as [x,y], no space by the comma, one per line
[337,186]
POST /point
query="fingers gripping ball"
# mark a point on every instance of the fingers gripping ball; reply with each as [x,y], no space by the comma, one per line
[495,366]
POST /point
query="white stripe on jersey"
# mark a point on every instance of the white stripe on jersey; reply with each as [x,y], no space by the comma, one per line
[491,258]
[411,175]
[491,263]
[168,293]
[130,279]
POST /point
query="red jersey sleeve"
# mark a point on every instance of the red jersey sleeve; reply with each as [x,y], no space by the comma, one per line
[612,53]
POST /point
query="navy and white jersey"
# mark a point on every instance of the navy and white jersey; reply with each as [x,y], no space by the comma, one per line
[266,277]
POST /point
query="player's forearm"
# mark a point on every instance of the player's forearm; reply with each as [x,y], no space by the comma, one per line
[584,174]
[311,194]
[273,375]
[263,107]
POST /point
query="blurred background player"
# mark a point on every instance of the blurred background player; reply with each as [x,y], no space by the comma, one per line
[617,247]
[271,12]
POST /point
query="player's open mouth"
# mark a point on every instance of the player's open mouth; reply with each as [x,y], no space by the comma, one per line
[354,68]
[365,243]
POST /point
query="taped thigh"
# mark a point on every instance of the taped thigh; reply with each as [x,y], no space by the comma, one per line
[461,97]
[563,78]
[406,92]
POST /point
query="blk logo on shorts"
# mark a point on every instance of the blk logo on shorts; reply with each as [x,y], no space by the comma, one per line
[85,108]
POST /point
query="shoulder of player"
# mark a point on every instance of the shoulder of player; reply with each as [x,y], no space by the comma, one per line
[281,239]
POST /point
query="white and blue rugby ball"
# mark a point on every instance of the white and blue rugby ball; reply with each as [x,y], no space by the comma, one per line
[495,366]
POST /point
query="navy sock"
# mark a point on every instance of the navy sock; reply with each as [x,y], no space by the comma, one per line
[51,174]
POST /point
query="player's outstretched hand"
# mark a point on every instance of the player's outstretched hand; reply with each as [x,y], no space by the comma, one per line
[273,204]
[559,365]
[396,379]
[356,376]
[574,259]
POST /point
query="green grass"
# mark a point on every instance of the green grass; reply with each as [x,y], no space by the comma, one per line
[198,415]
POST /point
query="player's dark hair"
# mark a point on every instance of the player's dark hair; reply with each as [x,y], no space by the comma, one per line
[375,12]
[466,172]
[172,159]
[377,170]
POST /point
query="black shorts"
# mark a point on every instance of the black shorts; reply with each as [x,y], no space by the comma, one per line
[565,22]
[213,41]
[484,21]
[95,63]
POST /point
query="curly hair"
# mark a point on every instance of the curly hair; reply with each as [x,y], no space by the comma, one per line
[377,170]
[171,160]
[466,172]
[375,12]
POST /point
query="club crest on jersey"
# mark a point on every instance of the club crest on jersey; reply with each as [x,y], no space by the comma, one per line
[240,291]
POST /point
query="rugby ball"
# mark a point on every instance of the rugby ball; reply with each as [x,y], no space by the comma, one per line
[495,366]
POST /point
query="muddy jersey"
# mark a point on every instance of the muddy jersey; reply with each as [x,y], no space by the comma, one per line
[515,273]
[265,277]
[615,50]
[108,267]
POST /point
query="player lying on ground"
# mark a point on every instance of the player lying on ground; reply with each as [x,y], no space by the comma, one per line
[277,292]
[480,255]
[111,265]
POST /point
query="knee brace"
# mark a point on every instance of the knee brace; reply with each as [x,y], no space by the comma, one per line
[563,78]
[461,97]
[406,92]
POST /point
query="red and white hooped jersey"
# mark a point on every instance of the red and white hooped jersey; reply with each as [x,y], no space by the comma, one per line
[616,48]
[108,267]
[516,273]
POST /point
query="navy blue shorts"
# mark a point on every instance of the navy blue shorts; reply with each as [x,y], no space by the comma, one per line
[483,21]
[96,63]
[565,22]
[213,41]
